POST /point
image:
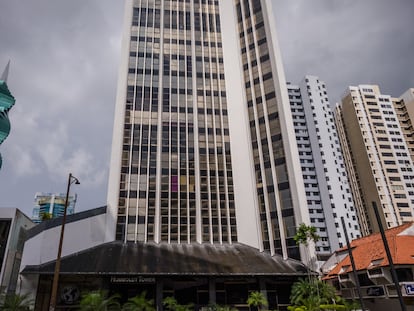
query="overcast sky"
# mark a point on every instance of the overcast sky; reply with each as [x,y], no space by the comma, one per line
[64,61]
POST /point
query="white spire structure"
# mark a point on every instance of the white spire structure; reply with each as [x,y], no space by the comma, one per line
[5,73]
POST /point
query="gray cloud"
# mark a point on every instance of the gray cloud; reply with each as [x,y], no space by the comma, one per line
[63,74]
[348,42]
[65,56]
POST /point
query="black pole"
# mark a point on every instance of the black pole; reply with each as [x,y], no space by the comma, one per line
[390,261]
[53,297]
[351,257]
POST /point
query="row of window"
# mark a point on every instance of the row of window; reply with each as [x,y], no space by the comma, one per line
[174,19]
[256,102]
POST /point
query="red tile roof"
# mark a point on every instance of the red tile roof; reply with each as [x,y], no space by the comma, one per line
[370,248]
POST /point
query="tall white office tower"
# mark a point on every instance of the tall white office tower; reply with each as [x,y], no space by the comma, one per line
[171,174]
[326,183]
[205,187]
[378,157]
[267,173]
[202,145]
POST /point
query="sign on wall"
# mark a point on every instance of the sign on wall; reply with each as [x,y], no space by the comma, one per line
[374,291]
[132,280]
[409,289]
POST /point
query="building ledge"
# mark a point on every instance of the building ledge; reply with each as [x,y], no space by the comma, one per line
[55,222]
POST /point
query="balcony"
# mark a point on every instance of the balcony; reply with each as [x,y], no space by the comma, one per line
[379,291]
[379,275]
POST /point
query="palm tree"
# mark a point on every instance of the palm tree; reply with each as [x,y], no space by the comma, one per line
[15,302]
[257,300]
[314,295]
[326,292]
[216,307]
[311,303]
[97,301]
[300,291]
[171,304]
[139,303]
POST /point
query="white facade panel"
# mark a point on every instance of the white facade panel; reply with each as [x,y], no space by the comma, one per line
[78,236]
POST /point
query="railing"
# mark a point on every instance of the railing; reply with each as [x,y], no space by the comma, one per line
[379,291]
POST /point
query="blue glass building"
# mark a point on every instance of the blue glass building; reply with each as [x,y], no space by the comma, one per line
[6,103]
[53,204]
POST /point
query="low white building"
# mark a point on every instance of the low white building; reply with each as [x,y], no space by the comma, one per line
[197,273]
[13,227]
[373,273]
[82,231]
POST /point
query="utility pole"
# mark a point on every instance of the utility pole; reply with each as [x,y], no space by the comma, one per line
[389,257]
[351,257]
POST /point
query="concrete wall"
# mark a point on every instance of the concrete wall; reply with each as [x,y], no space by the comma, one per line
[42,247]
[14,247]
[382,304]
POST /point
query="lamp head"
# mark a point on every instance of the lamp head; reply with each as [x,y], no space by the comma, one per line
[74,180]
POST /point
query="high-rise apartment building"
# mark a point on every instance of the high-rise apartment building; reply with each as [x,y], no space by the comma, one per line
[326,183]
[377,157]
[202,146]
[404,108]
[361,211]
[52,204]
[6,103]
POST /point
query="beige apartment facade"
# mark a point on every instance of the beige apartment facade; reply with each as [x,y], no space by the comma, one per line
[404,107]
[376,156]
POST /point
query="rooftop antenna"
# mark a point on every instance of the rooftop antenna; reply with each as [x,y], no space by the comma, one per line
[5,72]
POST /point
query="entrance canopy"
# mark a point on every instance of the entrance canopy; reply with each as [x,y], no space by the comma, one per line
[117,258]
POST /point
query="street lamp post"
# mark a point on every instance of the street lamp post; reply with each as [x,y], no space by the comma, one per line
[71,179]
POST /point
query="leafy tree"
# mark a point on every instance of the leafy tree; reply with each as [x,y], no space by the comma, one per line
[305,234]
[97,301]
[257,300]
[171,304]
[15,302]
[46,216]
[139,303]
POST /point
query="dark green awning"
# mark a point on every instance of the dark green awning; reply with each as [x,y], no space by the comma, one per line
[117,258]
